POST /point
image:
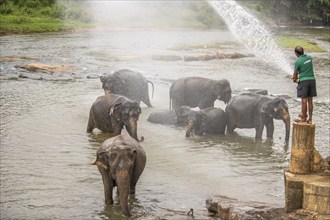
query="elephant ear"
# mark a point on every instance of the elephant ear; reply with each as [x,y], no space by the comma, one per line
[102,159]
[134,108]
[269,108]
[114,109]
[216,90]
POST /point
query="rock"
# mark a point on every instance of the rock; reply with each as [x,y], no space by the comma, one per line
[11,59]
[231,209]
[46,68]
[190,58]
[235,55]
[166,57]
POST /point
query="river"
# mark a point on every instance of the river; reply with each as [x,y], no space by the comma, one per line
[45,152]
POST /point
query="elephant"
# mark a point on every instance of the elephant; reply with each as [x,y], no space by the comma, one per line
[198,92]
[252,110]
[163,116]
[209,120]
[110,113]
[128,83]
[121,161]
[259,91]
[177,117]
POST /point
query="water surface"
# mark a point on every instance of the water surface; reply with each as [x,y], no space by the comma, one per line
[45,150]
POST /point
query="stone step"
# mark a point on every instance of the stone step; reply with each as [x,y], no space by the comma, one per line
[310,192]
[317,196]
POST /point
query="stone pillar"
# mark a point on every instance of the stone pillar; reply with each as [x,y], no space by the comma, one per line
[302,150]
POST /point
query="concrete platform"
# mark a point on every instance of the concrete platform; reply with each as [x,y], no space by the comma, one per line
[309,192]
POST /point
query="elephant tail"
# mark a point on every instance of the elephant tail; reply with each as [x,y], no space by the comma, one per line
[170,102]
[152,95]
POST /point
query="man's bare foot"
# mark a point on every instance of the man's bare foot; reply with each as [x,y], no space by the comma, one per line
[301,115]
[300,120]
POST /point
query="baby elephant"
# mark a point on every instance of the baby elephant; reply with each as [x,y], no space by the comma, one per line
[177,117]
[209,120]
[121,161]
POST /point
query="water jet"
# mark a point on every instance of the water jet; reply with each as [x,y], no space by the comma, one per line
[249,30]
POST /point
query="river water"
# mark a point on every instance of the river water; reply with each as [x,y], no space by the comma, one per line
[45,151]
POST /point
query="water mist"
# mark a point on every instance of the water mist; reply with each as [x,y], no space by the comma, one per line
[252,33]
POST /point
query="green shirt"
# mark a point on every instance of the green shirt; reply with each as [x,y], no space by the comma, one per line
[304,66]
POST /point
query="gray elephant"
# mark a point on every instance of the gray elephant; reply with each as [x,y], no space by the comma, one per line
[128,83]
[209,120]
[121,161]
[198,92]
[177,117]
[252,110]
[259,91]
[110,113]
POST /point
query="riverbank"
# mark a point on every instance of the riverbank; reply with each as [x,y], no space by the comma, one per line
[21,17]
[13,24]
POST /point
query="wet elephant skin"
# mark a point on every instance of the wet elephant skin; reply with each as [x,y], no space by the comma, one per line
[210,120]
[178,117]
[121,161]
[128,83]
[251,110]
[199,92]
[110,113]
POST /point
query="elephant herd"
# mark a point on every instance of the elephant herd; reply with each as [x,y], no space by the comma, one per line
[121,159]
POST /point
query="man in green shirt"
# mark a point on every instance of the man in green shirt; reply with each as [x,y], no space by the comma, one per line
[304,76]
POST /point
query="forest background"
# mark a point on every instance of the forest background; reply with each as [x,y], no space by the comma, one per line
[26,16]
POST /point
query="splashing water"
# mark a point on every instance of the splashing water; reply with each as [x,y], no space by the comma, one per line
[254,34]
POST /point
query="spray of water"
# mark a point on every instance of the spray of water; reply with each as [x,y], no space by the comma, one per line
[251,32]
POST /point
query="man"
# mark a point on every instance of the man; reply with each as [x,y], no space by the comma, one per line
[306,89]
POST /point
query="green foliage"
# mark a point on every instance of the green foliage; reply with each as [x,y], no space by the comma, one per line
[291,43]
[205,14]
[302,11]
[42,15]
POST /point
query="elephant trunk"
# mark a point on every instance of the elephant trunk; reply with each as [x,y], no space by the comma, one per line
[286,120]
[132,127]
[123,184]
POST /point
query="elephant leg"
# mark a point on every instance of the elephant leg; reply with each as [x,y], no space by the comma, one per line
[132,189]
[108,186]
[230,126]
[259,130]
[269,123]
